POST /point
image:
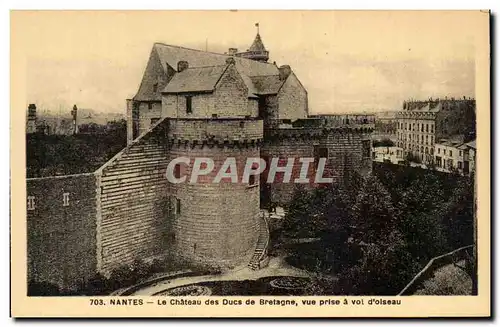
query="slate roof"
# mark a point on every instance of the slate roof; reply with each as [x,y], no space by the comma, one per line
[471,144]
[270,84]
[257,44]
[196,79]
[170,55]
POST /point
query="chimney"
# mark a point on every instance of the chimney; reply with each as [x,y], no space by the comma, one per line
[285,71]
[182,65]
[74,114]
[230,61]
[31,120]
[32,110]
[232,51]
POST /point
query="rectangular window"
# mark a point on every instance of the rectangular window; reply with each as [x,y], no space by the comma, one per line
[252,178]
[65,199]
[459,165]
[150,105]
[31,202]
[177,171]
[460,153]
[189,104]
[155,87]
[427,128]
[432,128]
[177,206]
[439,150]
[451,153]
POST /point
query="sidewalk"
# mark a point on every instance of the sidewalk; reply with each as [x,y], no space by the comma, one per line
[277,267]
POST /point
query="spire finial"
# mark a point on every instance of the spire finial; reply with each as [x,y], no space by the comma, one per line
[257,25]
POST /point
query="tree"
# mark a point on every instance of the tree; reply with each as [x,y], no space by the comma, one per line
[297,222]
[373,213]
[383,143]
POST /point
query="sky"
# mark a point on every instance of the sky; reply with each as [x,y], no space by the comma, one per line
[348,61]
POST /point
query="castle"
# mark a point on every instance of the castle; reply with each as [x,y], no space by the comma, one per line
[190,103]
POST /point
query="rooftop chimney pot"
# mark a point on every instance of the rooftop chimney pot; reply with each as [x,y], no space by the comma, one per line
[182,65]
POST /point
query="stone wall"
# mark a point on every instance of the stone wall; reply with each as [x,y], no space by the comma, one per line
[228,100]
[347,150]
[292,99]
[61,236]
[148,115]
[231,96]
[215,129]
[132,206]
[214,224]
[286,148]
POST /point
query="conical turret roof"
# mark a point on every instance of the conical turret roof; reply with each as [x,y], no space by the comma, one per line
[257,44]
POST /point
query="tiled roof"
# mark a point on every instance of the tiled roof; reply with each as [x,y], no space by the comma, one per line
[196,79]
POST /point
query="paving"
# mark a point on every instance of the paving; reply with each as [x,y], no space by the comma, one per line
[277,267]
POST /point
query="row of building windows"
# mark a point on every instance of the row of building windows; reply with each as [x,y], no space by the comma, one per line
[420,149]
[407,137]
[450,152]
[418,127]
[32,204]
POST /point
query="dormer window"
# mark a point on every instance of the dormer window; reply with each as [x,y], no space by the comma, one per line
[189,104]
[155,87]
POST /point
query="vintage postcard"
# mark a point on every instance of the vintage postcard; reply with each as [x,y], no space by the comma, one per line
[250,163]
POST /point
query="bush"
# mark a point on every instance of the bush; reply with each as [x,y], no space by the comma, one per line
[383,142]
[42,289]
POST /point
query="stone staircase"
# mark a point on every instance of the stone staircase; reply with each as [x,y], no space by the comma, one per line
[260,254]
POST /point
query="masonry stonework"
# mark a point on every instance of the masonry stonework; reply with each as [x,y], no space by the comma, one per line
[132,204]
[214,224]
[292,99]
[61,235]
